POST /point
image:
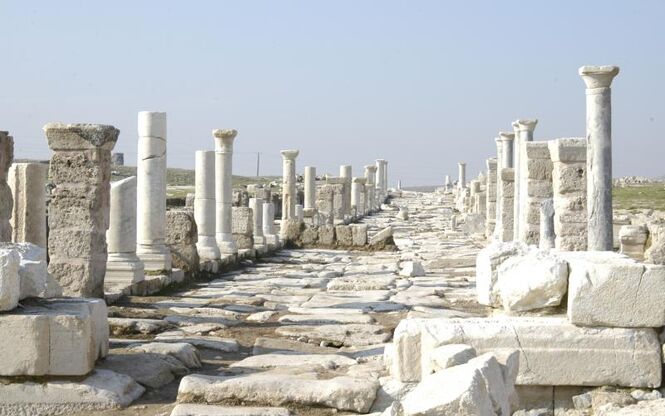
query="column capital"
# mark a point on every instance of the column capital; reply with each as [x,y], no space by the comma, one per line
[505,136]
[361,181]
[598,76]
[461,163]
[381,161]
[224,139]
[290,154]
[370,168]
[524,124]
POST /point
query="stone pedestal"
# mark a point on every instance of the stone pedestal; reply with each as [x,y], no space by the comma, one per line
[204,205]
[6,200]
[524,134]
[490,195]
[461,175]
[345,173]
[269,231]
[151,192]
[599,154]
[224,189]
[370,176]
[536,186]
[310,188]
[569,193]
[289,195]
[28,184]
[256,204]
[80,171]
[123,267]
[633,239]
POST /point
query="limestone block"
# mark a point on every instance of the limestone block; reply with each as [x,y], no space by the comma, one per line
[568,150]
[552,350]
[326,235]
[487,264]
[290,230]
[243,222]
[25,338]
[310,235]
[344,235]
[359,234]
[567,178]
[10,282]
[610,289]
[31,270]
[6,200]
[633,238]
[449,356]
[181,238]
[412,269]
[28,184]
[382,239]
[535,280]
[655,246]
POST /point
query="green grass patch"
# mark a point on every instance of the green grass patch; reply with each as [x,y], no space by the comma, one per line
[635,197]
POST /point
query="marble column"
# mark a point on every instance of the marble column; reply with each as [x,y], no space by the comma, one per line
[269,224]
[28,184]
[370,176]
[289,195]
[362,200]
[507,149]
[310,188]
[525,128]
[345,173]
[381,181]
[490,197]
[6,200]
[224,190]
[447,183]
[204,205]
[151,192]
[506,160]
[598,80]
[123,267]
[78,213]
[461,175]
[256,204]
[499,187]
[355,197]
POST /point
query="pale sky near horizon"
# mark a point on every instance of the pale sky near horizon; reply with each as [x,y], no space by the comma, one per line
[423,84]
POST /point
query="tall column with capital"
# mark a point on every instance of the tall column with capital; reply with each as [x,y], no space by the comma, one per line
[289,183]
[151,192]
[224,189]
[524,128]
[370,175]
[598,80]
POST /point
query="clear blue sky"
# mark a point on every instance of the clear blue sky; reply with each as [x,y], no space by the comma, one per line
[423,84]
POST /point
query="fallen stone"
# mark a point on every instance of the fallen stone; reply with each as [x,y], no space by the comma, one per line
[151,370]
[321,319]
[552,351]
[535,280]
[261,317]
[487,265]
[412,269]
[130,326]
[383,239]
[208,410]
[32,269]
[202,341]
[10,283]
[450,355]
[337,335]
[609,289]
[285,359]
[342,393]
[186,353]
[103,389]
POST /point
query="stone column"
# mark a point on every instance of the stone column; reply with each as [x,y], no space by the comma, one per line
[269,233]
[78,216]
[289,183]
[507,179]
[547,235]
[224,190]
[204,205]
[6,200]
[123,267]
[499,187]
[461,181]
[599,154]
[490,195]
[447,183]
[310,188]
[355,197]
[256,204]
[362,199]
[536,172]
[370,175]
[381,181]
[507,149]
[345,173]
[151,192]
[524,134]
[28,184]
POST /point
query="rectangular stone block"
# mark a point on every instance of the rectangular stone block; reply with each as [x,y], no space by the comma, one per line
[344,235]
[359,232]
[552,350]
[242,221]
[24,345]
[567,178]
[568,150]
[610,289]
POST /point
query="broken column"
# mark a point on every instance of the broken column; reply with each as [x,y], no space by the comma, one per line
[151,192]
[569,193]
[356,197]
[28,184]
[256,204]
[224,190]
[289,195]
[310,189]
[599,154]
[490,198]
[461,175]
[204,205]
[524,134]
[269,232]
[536,186]
[6,200]
[370,176]
[123,267]
[345,173]
[547,235]
[80,171]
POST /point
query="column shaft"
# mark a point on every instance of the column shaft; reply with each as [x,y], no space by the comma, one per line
[204,205]
[224,189]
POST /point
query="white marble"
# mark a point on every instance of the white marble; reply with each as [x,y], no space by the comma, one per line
[310,187]
[224,189]
[204,205]
[289,194]
[524,128]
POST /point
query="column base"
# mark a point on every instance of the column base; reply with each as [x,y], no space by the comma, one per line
[226,244]
[123,269]
[207,248]
[155,258]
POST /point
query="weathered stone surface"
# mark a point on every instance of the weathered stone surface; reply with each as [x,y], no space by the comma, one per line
[359,233]
[609,289]
[450,355]
[337,335]
[242,227]
[149,369]
[327,235]
[10,282]
[648,407]
[534,280]
[181,238]
[208,410]
[186,353]
[412,269]
[32,269]
[655,246]
[633,238]
[344,235]
[28,184]
[552,351]
[383,239]
[487,264]
[343,393]
[283,359]
[103,389]
[6,200]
